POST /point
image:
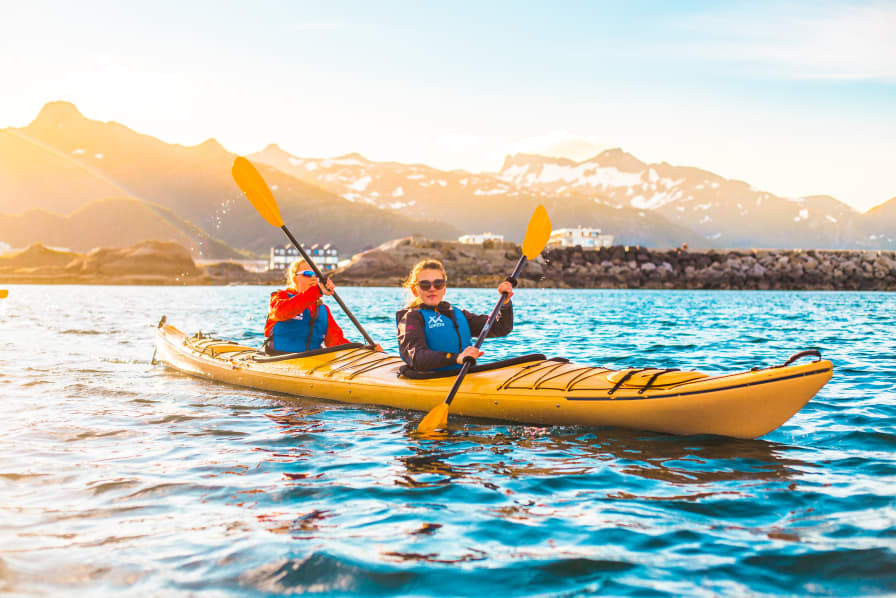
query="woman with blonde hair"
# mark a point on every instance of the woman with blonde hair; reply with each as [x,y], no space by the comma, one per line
[433,335]
[298,320]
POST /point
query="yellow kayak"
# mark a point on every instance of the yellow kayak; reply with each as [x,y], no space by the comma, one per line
[529,389]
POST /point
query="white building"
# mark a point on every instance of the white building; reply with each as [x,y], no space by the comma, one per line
[326,257]
[479,239]
[588,238]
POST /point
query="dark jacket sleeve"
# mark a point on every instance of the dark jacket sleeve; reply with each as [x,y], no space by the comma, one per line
[412,344]
[503,324]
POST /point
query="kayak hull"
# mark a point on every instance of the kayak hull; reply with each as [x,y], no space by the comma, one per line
[544,392]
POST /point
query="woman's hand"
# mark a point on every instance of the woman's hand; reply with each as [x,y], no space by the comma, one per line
[327,289]
[468,352]
[506,287]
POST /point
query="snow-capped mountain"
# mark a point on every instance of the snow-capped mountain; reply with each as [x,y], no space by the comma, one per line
[469,201]
[389,185]
[689,204]
[730,212]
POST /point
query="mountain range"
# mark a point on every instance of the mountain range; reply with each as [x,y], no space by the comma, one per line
[655,205]
[63,162]
[71,181]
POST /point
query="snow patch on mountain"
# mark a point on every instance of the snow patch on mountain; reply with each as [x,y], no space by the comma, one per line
[655,200]
[583,175]
[360,184]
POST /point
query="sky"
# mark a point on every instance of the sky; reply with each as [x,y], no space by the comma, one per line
[795,98]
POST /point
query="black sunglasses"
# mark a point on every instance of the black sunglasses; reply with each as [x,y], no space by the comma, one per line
[437,284]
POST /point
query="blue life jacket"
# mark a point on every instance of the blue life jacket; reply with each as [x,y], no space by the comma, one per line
[444,333]
[304,332]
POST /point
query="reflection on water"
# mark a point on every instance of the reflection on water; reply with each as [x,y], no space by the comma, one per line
[120,477]
[696,460]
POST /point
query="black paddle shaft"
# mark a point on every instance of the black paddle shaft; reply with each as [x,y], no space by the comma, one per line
[469,361]
[323,280]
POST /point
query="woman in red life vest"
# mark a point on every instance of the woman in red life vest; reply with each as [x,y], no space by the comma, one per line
[298,319]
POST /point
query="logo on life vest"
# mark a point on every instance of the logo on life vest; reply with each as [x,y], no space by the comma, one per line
[299,317]
[435,321]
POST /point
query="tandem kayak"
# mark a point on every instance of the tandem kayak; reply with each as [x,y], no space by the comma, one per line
[530,389]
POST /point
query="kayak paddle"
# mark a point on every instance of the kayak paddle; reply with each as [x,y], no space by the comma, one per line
[537,235]
[251,183]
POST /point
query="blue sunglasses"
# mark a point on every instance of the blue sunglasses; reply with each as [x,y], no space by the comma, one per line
[306,273]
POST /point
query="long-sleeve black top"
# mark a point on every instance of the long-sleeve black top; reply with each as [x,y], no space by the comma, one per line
[412,335]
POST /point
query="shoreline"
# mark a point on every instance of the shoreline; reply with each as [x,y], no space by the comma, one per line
[7,285]
[484,266]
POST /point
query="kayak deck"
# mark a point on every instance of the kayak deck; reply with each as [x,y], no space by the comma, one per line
[542,391]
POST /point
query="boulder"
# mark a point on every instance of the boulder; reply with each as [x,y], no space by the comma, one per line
[375,263]
[149,258]
[38,256]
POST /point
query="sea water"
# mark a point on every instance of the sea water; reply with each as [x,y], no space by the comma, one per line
[122,477]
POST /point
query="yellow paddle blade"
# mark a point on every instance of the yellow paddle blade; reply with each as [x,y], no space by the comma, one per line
[250,182]
[4,293]
[537,234]
[435,419]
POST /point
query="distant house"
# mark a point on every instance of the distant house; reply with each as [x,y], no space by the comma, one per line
[585,237]
[326,257]
[479,239]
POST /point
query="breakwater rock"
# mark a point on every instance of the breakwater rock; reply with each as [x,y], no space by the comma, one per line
[629,267]
[766,269]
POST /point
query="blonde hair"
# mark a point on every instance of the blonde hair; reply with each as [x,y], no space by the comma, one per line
[427,264]
[294,269]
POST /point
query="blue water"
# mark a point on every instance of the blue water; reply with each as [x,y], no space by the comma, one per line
[120,477]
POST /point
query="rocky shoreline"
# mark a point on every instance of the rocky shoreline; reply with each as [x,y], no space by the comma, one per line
[160,263]
[146,263]
[766,269]
[632,267]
